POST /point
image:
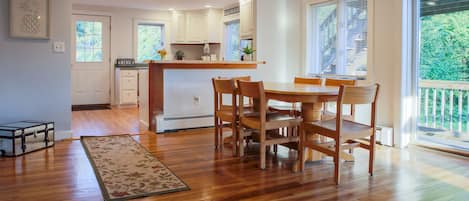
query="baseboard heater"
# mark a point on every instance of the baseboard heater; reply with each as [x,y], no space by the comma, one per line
[165,124]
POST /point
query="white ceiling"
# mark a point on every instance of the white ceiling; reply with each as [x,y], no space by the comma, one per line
[158,4]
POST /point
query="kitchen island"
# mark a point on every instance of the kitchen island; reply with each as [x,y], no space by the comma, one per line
[180,93]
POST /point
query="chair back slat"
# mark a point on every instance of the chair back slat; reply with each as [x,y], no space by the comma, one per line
[255,91]
[307,80]
[223,86]
[251,89]
[358,94]
[339,82]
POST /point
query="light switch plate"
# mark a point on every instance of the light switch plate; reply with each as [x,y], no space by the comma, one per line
[59,47]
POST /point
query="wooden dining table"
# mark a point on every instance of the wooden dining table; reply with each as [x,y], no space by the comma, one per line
[311,98]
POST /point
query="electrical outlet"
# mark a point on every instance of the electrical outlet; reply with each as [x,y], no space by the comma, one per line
[196,100]
[59,47]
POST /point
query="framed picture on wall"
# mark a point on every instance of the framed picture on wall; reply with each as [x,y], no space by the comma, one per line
[29,19]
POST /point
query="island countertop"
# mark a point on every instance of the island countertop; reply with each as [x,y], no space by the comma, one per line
[206,62]
[198,64]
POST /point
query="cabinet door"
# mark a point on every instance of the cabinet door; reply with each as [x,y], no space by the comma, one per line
[215,26]
[246,18]
[129,97]
[196,29]
[179,27]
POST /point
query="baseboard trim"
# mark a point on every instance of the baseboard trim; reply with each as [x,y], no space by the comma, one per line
[63,135]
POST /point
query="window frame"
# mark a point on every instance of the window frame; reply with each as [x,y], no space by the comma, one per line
[165,35]
[308,60]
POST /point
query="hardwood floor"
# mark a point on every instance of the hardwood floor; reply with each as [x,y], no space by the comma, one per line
[106,122]
[64,173]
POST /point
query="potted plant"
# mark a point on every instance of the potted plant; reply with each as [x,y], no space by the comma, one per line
[179,55]
[247,53]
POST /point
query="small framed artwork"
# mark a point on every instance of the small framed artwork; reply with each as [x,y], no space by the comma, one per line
[29,19]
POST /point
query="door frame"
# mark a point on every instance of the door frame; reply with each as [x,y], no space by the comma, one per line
[72,52]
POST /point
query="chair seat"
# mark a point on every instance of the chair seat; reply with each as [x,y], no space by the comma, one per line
[226,113]
[350,129]
[273,121]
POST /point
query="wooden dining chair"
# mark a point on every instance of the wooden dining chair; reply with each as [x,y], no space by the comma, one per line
[262,121]
[344,133]
[225,113]
[326,114]
[294,109]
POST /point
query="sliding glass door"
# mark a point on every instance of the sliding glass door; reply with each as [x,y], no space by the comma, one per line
[443,74]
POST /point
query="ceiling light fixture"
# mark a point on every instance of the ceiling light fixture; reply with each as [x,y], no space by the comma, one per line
[171,9]
[208,6]
[431,3]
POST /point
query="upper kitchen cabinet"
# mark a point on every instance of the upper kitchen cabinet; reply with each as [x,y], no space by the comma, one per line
[198,26]
[179,27]
[247,24]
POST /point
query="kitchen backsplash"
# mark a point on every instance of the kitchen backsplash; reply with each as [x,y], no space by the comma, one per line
[195,52]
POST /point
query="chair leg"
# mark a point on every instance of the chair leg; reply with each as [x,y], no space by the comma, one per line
[240,141]
[220,135]
[301,148]
[263,149]
[338,151]
[372,155]
[216,133]
[234,138]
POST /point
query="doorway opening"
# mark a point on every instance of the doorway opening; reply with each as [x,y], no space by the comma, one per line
[443,75]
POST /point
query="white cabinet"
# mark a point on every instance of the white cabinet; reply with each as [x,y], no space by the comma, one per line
[127,86]
[247,23]
[197,26]
[179,27]
[215,26]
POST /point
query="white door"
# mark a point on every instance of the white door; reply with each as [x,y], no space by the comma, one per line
[90,60]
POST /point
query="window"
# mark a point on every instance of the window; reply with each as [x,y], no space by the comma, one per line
[149,40]
[232,50]
[89,41]
[338,38]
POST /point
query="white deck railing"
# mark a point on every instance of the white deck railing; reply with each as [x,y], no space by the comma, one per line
[435,96]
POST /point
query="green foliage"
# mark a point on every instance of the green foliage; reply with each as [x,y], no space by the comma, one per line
[179,55]
[247,50]
[444,55]
[149,42]
[89,41]
[444,51]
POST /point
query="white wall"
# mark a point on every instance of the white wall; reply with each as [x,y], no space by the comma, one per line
[278,39]
[34,81]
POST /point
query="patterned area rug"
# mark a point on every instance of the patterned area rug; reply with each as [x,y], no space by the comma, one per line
[126,170]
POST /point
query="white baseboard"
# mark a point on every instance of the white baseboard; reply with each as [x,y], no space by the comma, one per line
[63,135]
[184,123]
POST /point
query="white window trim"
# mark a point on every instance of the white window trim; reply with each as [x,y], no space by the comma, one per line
[166,35]
[406,119]
[306,40]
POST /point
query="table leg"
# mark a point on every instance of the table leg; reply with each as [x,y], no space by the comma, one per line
[312,112]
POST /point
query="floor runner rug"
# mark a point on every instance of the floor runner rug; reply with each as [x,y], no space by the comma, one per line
[126,170]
